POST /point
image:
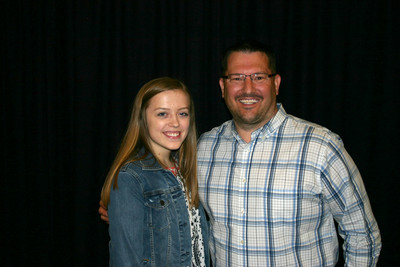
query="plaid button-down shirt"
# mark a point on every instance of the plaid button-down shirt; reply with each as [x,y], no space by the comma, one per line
[273,201]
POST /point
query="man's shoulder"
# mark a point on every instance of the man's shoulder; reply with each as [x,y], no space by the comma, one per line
[300,125]
[216,131]
[299,122]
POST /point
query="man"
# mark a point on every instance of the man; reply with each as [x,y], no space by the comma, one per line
[274,184]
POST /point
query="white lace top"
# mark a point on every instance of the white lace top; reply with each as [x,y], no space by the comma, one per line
[198,258]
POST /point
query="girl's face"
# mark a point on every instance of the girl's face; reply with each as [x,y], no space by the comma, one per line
[168,121]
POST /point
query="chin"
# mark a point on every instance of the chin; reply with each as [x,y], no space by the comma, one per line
[175,147]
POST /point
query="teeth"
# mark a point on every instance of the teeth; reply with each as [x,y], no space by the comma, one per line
[248,101]
[172,134]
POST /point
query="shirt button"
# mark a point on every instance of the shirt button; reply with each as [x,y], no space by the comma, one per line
[242,211]
[242,242]
[244,180]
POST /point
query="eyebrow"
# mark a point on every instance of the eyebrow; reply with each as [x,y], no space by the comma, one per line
[161,108]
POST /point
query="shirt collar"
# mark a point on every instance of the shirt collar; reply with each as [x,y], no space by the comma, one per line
[267,129]
[271,126]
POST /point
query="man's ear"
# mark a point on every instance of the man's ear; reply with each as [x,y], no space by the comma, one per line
[222,86]
[277,82]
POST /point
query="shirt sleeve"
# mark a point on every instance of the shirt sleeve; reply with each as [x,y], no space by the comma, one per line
[126,216]
[348,201]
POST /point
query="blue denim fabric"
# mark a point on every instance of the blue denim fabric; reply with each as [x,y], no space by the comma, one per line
[149,222]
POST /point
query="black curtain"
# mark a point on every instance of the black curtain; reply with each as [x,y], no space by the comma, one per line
[70,71]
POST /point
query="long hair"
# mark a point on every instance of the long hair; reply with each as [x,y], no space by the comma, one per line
[137,139]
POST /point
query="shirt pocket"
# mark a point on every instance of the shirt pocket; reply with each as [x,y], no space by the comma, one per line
[159,215]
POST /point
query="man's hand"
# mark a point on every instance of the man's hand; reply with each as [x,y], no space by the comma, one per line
[103,212]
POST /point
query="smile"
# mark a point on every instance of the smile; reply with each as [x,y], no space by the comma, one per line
[248,101]
[172,134]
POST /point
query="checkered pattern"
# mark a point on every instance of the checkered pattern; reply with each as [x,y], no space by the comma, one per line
[272,201]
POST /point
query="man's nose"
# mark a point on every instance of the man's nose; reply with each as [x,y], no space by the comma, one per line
[248,84]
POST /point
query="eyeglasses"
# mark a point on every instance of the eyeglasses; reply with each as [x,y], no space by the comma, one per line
[255,77]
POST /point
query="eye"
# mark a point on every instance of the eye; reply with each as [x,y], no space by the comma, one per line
[161,114]
[235,78]
[184,114]
[260,77]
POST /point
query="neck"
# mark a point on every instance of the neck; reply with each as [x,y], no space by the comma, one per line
[244,134]
[165,160]
[245,130]
[167,163]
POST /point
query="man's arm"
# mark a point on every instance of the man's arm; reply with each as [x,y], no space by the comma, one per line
[103,212]
[351,208]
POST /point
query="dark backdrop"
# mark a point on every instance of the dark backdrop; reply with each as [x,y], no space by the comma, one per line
[70,71]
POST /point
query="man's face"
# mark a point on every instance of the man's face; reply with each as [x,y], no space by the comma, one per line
[251,104]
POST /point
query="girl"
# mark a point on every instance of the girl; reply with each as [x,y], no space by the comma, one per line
[154,212]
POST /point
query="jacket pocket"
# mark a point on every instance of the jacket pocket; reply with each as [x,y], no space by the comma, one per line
[159,214]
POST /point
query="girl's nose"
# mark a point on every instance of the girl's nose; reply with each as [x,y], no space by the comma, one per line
[174,122]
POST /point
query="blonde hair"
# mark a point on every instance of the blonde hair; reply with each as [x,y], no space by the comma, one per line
[137,138]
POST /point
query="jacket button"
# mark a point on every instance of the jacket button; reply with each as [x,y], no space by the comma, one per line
[162,202]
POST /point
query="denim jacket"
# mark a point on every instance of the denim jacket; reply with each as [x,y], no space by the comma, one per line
[149,221]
